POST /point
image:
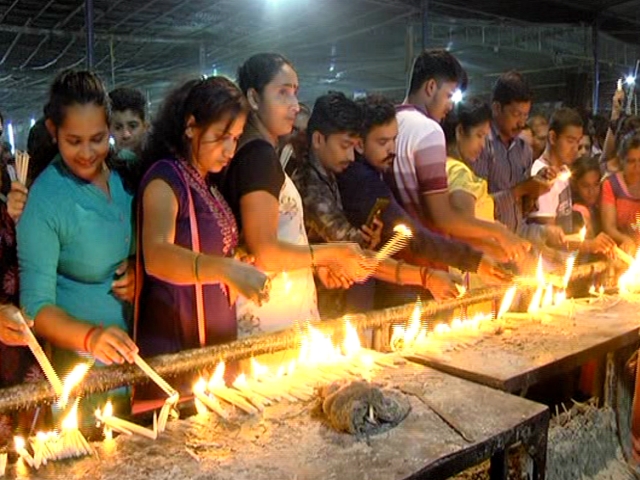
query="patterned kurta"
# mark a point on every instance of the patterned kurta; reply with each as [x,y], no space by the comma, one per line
[16,363]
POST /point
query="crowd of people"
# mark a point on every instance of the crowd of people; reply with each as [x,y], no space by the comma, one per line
[235,210]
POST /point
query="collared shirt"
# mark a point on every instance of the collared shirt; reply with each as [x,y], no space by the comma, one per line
[324,217]
[361,185]
[420,165]
[504,166]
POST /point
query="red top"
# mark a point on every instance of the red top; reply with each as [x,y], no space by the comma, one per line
[615,192]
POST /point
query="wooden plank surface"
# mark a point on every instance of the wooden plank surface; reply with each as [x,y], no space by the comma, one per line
[290,441]
[529,350]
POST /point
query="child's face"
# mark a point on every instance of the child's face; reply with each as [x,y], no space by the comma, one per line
[128,129]
[588,187]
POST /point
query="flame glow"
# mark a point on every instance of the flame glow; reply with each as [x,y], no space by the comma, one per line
[72,380]
[507,301]
[629,282]
[534,306]
[70,422]
[351,345]
[217,379]
[199,388]
[571,261]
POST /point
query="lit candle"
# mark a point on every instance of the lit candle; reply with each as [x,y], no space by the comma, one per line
[204,401]
[217,387]
[256,399]
[398,241]
[507,301]
[22,451]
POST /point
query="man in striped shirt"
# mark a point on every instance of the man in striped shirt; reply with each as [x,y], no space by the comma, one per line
[418,176]
[506,160]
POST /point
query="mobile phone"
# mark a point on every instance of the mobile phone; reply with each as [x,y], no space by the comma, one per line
[378,209]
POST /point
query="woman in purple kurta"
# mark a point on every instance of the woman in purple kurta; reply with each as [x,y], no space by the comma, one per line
[168,319]
[188,232]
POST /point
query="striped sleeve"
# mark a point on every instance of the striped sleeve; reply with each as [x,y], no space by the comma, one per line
[431,163]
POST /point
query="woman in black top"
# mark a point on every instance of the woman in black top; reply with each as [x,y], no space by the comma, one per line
[269,209]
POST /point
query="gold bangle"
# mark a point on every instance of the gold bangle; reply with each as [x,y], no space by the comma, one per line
[196,272]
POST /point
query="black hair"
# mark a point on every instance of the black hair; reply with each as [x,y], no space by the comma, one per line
[630,142]
[1,119]
[73,87]
[437,64]
[627,124]
[377,110]
[335,113]
[259,70]
[468,114]
[40,148]
[511,87]
[563,118]
[584,165]
[129,99]
[208,100]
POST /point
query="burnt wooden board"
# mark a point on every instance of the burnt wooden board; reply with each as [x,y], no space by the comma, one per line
[529,350]
[289,442]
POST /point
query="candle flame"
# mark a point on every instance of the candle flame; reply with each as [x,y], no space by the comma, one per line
[571,260]
[564,175]
[70,422]
[583,233]
[442,328]
[560,297]
[403,230]
[507,301]
[72,380]
[199,388]
[19,442]
[258,370]
[629,282]
[241,381]
[291,367]
[534,306]
[351,345]
[217,379]
[108,409]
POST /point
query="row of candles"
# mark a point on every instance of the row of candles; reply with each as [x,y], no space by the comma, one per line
[319,361]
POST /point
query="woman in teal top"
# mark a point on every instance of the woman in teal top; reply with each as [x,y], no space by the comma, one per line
[76,234]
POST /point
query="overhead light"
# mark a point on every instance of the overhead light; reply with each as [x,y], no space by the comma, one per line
[457,96]
[630,80]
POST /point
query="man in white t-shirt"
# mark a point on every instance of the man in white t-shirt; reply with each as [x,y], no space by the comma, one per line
[419,177]
[565,132]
